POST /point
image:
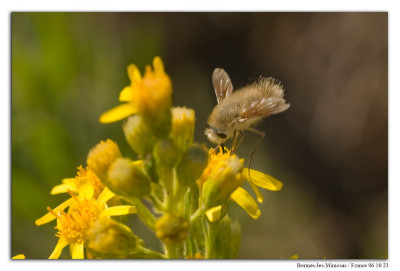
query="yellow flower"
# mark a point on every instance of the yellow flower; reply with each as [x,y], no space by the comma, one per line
[146,96]
[73,225]
[222,176]
[240,195]
[85,180]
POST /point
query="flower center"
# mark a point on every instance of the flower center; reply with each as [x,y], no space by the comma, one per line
[73,225]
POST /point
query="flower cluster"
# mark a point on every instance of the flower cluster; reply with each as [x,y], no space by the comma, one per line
[180,190]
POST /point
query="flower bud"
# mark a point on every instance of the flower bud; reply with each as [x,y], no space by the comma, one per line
[107,238]
[172,228]
[182,129]
[102,156]
[165,156]
[126,178]
[225,177]
[192,164]
[165,153]
[139,135]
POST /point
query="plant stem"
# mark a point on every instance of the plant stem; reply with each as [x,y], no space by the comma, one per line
[143,212]
[199,212]
[170,251]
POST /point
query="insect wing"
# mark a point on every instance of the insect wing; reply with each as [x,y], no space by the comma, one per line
[263,108]
[222,84]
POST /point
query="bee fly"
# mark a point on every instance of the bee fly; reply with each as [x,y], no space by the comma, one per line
[243,109]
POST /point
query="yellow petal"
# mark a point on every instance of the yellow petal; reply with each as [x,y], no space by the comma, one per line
[213,214]
[68,184]
[119,210]
[118,113]
[246,201]
[295,256]
[126,94]
[134,73]
[49,216]
[86,190]
[260,197]
[105,196]
[77,250]
[158,66]
[58,249]
[19,257]
[264,180]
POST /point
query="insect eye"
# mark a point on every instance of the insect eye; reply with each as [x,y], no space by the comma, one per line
[221,135]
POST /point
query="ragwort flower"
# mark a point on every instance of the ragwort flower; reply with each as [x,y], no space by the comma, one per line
[223,161]
[73,225]
[148,95]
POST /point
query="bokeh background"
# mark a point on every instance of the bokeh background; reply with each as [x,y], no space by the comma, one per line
[330,149]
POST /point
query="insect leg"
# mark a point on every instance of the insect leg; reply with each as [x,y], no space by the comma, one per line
[236,142]
[262,135]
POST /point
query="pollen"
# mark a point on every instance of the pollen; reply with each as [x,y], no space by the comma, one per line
[73,225]
[218,160]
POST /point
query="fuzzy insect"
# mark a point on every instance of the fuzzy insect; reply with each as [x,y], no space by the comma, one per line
[242,109]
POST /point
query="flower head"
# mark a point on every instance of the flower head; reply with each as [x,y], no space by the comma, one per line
[239,195]
[72,225]
[222,176]
[148,95]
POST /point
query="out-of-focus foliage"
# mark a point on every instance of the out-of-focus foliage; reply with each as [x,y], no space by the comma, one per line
[329,149]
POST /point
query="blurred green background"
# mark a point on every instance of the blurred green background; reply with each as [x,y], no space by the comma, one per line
[330,149]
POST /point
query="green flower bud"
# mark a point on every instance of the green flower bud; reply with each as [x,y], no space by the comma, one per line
[192,165]
[165,153]
[165,156]
[107,238]
[172,228]
[139,135]
[126,178]
[182,129]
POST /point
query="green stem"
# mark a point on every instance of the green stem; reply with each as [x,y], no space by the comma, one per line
[157,203]
[199,212]
[170,251]
[210,238]
[146,253]
[143,212]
